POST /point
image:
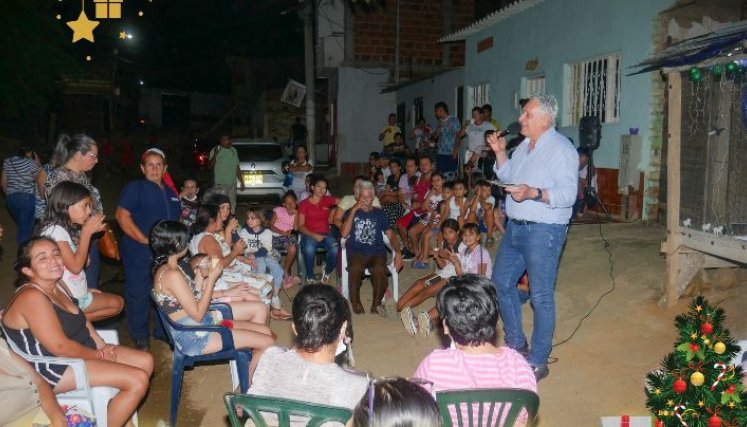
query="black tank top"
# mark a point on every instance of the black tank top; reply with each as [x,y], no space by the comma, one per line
[73,325]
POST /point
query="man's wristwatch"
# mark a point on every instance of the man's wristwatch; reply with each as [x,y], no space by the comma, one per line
[538,197]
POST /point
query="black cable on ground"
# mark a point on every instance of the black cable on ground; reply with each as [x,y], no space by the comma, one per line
[611,261]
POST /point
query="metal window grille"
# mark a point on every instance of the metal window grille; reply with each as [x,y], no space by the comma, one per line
[593,89]
[534,86]
[417,110]
[480,95]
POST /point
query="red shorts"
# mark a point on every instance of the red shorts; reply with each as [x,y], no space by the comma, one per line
[408,220]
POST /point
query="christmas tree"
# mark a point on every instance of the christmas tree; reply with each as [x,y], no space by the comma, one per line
[697,385]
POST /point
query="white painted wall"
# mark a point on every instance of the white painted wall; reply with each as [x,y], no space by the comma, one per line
[439,88]
[361,112]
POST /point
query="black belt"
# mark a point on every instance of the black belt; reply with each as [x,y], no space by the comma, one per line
[522,221]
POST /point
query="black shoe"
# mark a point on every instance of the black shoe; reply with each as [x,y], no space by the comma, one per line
[142,344]
[540,372]
[407,255]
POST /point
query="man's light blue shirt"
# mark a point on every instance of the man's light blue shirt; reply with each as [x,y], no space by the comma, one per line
[552,166]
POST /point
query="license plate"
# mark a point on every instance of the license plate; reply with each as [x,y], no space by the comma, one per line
[252,179]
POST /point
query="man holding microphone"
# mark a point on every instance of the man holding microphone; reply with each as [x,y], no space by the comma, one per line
[543,177]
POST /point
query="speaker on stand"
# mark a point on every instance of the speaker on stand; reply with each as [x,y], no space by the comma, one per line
[589,137]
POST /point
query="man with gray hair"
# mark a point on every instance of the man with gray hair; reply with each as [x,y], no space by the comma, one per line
[364,228]
[543,177]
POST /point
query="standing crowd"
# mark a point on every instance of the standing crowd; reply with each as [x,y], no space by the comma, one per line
[434,205]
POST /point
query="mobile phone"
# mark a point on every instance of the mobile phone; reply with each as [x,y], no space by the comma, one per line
[432,280]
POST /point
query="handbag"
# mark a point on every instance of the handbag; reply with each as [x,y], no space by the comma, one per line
[108,244]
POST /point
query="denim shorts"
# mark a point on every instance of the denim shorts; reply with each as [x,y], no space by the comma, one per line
[192,343]
[85,300]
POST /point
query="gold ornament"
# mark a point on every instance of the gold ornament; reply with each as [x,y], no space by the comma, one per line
[670,402]
[719,347]
[697,379]
[701,404]
[694,336]
[731,404]
[706,341]
[82,27]
[657,391]
[698,308]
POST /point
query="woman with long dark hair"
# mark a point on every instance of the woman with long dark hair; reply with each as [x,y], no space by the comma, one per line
[186,300]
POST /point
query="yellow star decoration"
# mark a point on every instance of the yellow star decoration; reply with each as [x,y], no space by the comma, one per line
[122,35]
[731,403]
[657,391]
[698,308]
[670,402]
[701,404]
[82,27]
[694,336]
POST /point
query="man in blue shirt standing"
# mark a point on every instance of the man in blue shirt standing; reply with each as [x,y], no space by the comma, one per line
[142,204]
[543,177]
[446,132]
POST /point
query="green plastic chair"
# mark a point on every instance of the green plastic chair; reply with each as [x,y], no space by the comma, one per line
[491,404]
[255,406]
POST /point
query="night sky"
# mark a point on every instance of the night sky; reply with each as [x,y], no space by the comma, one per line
[183,43]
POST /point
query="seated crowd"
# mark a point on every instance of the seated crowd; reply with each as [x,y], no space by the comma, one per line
[207,256]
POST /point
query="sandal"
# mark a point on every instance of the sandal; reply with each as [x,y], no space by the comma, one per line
[409,321]
[425,323]
[280,314]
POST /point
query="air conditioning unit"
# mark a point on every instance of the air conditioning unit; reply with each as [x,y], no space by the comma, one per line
[628,175]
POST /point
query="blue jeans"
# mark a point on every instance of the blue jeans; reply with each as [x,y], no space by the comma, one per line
[535,248]
[21,207]
[272,267]
[308,248]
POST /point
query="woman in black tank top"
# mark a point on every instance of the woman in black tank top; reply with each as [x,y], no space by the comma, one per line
[43,319]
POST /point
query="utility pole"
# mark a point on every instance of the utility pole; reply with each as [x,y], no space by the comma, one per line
[307,14]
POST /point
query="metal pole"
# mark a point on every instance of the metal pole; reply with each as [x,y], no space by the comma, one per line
[308,27]
[396,49]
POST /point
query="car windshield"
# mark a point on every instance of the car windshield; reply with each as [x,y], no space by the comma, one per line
[259,152]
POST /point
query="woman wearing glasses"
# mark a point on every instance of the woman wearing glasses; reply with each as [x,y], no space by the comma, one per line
[75,156]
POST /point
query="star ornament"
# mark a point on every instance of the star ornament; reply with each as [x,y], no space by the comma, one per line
[82,27]
[122,35]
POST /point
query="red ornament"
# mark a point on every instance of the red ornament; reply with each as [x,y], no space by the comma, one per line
[706,328]
[679,386]
[694,347]
[714,421]
[730,389]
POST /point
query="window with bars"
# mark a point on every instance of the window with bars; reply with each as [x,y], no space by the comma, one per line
[479,95]
[592,88]
[534,86]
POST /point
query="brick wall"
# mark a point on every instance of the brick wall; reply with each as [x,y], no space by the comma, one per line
[421,25]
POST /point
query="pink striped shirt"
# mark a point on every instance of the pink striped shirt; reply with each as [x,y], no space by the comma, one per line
[453,369]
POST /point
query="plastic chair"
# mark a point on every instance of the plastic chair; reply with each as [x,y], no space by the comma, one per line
[240,358]
[455,403]
[95,400]
[392,271]
[255,406]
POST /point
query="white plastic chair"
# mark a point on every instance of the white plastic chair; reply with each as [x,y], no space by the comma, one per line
[390,266]
[95,400]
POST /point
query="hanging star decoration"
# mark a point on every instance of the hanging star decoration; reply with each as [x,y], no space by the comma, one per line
[82,27]
[122,34]
[698,308]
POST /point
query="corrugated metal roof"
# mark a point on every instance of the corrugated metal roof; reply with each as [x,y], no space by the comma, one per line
[499,15]
[698,49]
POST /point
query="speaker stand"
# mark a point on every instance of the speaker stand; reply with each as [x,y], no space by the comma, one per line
[590,191]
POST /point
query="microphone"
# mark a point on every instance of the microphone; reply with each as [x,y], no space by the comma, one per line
[512,129]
